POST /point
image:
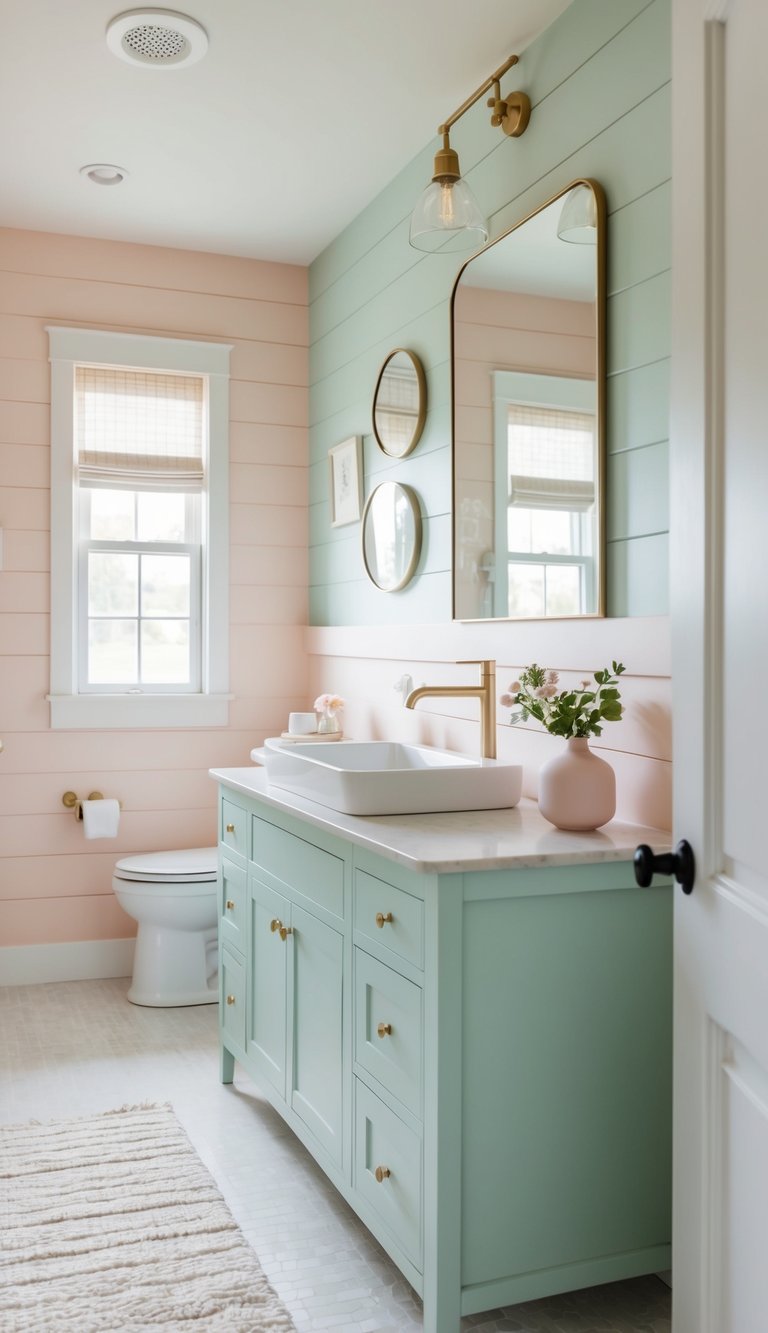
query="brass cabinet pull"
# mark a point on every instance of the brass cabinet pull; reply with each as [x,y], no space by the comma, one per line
[381,1173]
[276,925]
[230,828]
[384,1029]
[382,918]
[230,999]
[230,905]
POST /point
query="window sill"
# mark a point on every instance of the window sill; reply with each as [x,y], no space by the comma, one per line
[113,712]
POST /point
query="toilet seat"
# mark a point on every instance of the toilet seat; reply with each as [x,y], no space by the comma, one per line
[193,865]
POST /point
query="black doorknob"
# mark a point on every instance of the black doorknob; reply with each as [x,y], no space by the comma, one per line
[679,863]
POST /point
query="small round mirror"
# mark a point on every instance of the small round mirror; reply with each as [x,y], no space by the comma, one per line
[391,536]
[399,403]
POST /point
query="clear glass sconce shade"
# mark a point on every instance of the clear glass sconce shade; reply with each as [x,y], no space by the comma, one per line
[448,217]
[578,219]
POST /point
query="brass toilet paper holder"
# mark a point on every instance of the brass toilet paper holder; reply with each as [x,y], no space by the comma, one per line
[74,802]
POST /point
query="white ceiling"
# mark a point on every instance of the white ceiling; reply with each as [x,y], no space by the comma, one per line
[299,114]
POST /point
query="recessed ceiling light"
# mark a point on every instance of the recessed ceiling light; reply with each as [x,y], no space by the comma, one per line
[103,173]
[156,38]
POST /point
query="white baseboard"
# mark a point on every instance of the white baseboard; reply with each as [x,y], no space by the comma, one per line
[83,960]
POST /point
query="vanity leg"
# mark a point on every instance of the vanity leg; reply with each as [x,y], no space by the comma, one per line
[226,1065]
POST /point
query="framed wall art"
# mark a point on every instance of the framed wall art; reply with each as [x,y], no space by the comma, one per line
[346,480]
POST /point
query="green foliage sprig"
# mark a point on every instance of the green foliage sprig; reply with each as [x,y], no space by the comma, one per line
[579,712]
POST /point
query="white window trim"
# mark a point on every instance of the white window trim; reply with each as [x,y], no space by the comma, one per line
[70,710]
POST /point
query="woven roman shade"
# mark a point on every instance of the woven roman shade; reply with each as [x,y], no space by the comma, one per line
[139,429]
[551,458]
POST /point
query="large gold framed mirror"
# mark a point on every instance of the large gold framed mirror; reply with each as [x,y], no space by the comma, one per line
[399,403]
[528,376]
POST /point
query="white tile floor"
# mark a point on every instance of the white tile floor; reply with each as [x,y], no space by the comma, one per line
[75,1048]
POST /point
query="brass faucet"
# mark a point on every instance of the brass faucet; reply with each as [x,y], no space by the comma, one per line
[485,692]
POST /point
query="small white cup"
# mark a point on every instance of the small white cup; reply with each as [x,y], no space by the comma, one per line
[302,724]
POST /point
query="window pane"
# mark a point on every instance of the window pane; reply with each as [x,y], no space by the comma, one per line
[551,532]
[526,590]
[165,652]
[165,585]
[112,652]
[113,584]
[542,531]
[563,590]
[112,516]
[162,517]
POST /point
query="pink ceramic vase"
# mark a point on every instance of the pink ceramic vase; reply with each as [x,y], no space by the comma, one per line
[577,789]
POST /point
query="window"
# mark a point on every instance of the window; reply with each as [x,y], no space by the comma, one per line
[139,577]
[547,519]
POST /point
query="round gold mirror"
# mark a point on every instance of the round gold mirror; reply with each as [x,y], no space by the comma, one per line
[391,531]
[399,403]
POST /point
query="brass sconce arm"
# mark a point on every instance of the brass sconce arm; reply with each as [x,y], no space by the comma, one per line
[512,113]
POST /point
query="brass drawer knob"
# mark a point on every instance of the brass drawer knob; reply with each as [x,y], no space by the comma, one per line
[230,828]
[230,905]
[382,1173]
[230,999]
[277,927]
[382,918]
[384,1029]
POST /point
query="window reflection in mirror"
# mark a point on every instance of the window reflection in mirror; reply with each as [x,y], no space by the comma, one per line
[528,389]
[399,403]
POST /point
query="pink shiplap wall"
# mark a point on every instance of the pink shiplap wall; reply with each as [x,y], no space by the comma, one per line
[55,886]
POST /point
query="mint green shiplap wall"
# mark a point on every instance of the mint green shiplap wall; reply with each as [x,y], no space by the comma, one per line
[598,80]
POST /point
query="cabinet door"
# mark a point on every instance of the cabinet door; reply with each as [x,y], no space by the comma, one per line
[266,1028]
[317,1046]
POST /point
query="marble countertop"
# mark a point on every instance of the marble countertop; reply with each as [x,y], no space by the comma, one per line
[453,843]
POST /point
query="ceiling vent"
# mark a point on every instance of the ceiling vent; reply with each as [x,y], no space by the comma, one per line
[156,38]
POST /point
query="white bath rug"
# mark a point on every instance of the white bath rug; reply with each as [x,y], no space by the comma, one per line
[112,1222]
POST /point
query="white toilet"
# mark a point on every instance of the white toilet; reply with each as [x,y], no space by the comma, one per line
[173,897]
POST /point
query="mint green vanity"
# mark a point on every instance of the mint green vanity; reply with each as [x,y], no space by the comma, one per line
[466,1019]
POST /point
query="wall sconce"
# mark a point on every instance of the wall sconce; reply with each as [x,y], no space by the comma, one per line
[578,219]
[447,216]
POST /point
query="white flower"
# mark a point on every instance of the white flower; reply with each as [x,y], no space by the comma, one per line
[328,703]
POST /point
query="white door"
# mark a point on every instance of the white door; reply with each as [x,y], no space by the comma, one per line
[719,578]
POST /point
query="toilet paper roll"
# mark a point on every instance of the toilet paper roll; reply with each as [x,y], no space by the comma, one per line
[101,819]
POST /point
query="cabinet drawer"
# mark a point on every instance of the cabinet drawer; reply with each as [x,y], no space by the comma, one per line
[314,873]
[375,902]
[388,1029]
[383,1142]
[232,904]
[234,828]
[232,998]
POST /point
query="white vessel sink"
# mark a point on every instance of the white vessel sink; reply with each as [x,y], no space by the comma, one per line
[389,778]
